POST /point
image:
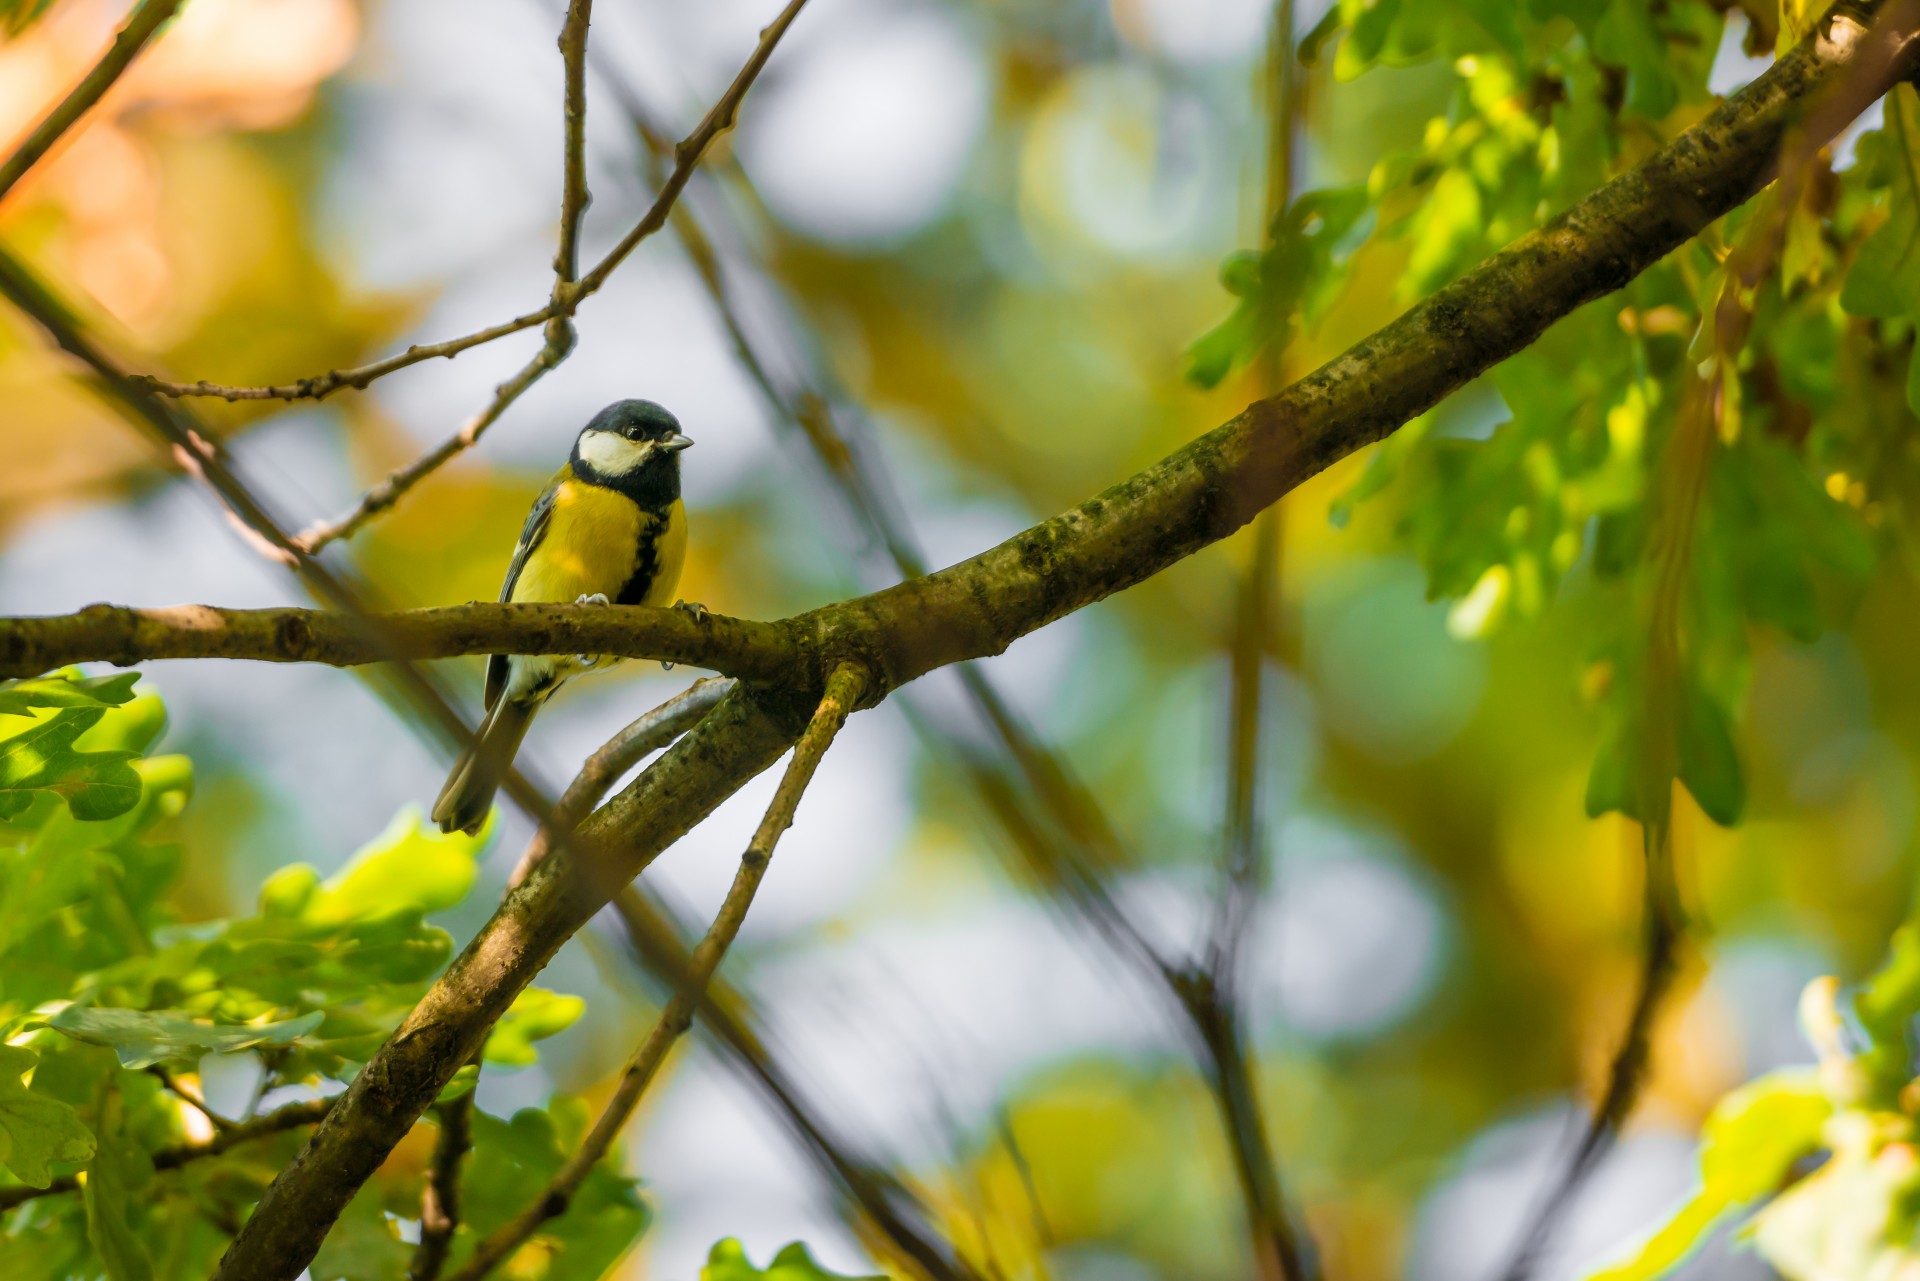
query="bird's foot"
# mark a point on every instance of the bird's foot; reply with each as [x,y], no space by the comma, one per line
[692,609]
[597,598]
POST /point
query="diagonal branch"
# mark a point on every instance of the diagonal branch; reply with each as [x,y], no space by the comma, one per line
[141,28]
[898,1216]
[657,729]
[886,1206]
[843,692]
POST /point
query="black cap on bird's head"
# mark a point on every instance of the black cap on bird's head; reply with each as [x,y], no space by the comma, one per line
[630,441]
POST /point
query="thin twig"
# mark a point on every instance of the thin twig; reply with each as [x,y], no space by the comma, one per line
[1686,463]
[567,292]
[358,377]
[440,1199]
[290,1117]
[844,688]
[894,1212]
[574,196]
[146,20]
[687,154]
[389,491]
[559,337]
[657,729]
[1210,995]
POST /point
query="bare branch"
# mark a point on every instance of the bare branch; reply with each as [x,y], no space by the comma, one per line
[617,755]
[566,301]
[574,196]
[117,634]
[147,19]
[358,377]
[559,335]
[844,689]
[384,495]
[290,1117]
[440,1199]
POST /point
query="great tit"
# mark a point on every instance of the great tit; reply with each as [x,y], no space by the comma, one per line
[609,528]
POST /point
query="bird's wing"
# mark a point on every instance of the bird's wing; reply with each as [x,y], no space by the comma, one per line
[530,535]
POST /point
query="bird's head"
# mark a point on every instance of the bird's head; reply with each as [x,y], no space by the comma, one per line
[630,440]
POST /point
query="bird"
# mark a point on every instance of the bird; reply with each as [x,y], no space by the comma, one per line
[608,529]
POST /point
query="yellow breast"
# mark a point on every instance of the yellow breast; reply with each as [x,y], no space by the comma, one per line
[588,546]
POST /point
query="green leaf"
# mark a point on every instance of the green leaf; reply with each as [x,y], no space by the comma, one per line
[116,1177]
[363,1245]
[42,758]
[65,689]
[409,868]
[1850,1220]
[18,15]
[1709,765]
[35,1130]
[1748,1148]
[142,1038]
[728,1262]
[1884,279]
[1627,35]
[510,1158]
[535,1015]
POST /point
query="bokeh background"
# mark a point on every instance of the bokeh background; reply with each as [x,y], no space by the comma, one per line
[997,225]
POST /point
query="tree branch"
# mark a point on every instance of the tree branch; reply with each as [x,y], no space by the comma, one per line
[117,634]
[147,19]
[657,729]
[574,196]
[290,1117]
[747,732]
[843,692]
[891,1212]
[440,1199]
[559,336]
[687,156]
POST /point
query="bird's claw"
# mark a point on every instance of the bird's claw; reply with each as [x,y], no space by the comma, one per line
[596,598]
[692,609]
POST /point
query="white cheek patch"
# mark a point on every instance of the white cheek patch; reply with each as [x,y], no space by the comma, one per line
[612,454]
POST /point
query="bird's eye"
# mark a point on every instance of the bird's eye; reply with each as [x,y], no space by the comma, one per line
[634,433]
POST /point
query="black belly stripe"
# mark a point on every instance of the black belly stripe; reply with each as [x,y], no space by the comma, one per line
[646,563]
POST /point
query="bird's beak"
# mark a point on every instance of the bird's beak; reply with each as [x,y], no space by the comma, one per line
[674,444]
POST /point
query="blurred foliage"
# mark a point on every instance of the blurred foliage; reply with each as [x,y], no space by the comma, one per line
[108,1003]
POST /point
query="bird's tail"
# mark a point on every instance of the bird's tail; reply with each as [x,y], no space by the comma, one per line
[467,798]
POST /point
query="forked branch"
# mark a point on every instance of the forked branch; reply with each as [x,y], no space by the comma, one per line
[844,689]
